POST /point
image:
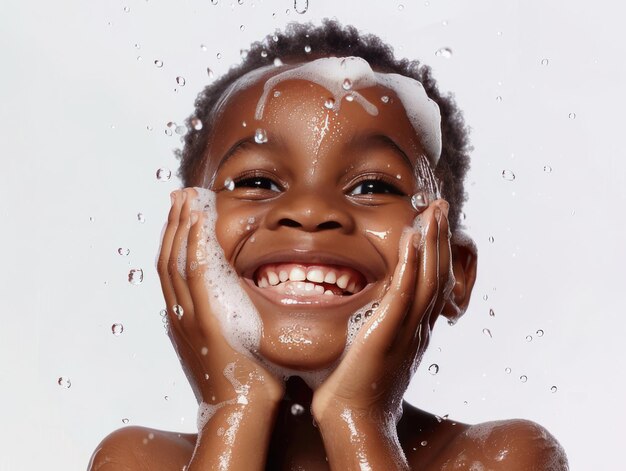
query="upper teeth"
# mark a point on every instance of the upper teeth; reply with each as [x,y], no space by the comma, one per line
[346,279]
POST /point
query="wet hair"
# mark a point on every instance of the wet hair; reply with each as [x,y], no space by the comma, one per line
[333,39]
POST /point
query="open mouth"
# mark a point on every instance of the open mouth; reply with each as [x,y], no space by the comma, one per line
[302,279]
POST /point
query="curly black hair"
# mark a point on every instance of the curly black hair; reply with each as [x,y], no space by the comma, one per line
[333,39]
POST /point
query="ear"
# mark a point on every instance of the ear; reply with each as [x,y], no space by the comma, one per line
[464,261]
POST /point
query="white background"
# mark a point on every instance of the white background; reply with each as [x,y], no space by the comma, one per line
[82,134]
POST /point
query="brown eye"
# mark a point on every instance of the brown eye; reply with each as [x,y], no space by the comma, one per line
[371,187]
[261,183]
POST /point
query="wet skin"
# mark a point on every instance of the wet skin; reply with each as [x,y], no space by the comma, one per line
[323,191]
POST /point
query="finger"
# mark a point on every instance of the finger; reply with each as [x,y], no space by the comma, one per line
[380,331]
[183,297]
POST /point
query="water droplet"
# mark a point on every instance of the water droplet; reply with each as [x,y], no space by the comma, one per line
[357,318]
[498,98]
[368,313]
[444,23]
[539,333]
[492,313]
[277,62]
[401,7]
[307,49]
[545,61]
[242,28]
[141,218]
[347,84]
[117,329]
[507,370]
[163,312]
[218,55]
[491,239]
[547,169]
[123,251]
[384,99]
[64,382]
[297,409]
[214,2]
[433,369]
[91,219]
[181,130]
[485,297]
[260,136]
[163,174]
[487,332]
[301,6]
[419,201]
[529,338]
[158,63]
[137,46]
[203,48]
[178,310]
[126,9]
[244,124]
[350,97]
[135,276]
[181,81]
[424,443]
[508,175]
[523,378]
[276,94]
[572,116]
[168,132]
[209,72]
[444,52]
[196,124]
[329,103]
[229,184]
[125,421]
[553,389]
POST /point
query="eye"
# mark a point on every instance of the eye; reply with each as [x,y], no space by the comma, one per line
[262,183]
[373,186]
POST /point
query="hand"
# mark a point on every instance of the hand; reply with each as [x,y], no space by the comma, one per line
[194,330]
[377,369]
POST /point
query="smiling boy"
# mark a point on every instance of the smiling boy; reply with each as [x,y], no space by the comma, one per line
[320,244]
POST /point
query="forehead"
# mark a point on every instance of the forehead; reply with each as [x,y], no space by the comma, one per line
[345,90]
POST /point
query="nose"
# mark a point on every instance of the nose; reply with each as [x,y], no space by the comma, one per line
[312,212]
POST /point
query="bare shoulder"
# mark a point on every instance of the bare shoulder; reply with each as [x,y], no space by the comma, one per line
[141,448]
[504,445]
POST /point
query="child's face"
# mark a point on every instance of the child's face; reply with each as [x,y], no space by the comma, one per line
[328,193]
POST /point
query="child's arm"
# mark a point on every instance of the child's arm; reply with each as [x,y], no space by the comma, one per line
[358,406]
[239,398]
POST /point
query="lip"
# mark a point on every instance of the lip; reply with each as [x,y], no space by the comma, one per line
[309,257]
[320,300]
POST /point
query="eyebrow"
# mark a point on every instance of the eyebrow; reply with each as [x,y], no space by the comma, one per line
[275,142]
[364,139]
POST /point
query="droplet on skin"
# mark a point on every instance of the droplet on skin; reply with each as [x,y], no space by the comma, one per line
[444,52]
[350,97]
[523,378]
[123,251]
[158,63]
[329,103]
[277,62]
[384,99]
[260,136]
[297,409]
[508,175]
[163,174]
[135,276]
[433,369]
[307,49]
[181,81]
[229,184]
[487,332]
[117,329]
[347,84]
[178,310]
[276,94]
[424,443]
[64,382]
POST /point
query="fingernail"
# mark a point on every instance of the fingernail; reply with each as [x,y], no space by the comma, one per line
[194,217]
[438,214]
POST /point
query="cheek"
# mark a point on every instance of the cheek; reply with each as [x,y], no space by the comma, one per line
[235,223]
